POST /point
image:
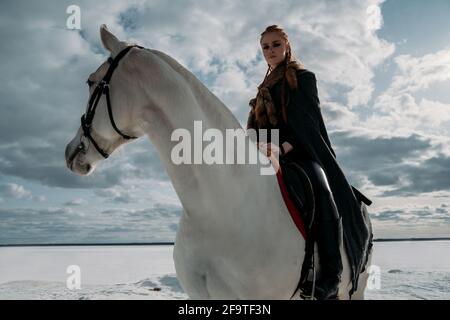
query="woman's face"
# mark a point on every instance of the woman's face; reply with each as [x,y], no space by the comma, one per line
[274,48]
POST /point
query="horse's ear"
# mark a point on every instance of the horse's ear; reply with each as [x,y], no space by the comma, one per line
[110,42]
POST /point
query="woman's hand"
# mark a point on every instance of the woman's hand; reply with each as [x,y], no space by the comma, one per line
[287,147]
[269,149]
[272,152]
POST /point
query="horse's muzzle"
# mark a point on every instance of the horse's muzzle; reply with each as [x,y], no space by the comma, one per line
[70,157]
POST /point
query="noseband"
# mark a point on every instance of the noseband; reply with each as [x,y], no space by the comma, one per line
[102,88]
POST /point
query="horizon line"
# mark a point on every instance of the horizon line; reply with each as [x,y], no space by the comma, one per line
[173,243]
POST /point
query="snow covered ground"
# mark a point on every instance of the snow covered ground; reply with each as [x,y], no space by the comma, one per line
[408,270]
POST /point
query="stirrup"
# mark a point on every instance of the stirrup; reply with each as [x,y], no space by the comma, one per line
[306,296]
[309,291]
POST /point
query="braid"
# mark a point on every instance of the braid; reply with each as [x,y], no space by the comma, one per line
[267,72]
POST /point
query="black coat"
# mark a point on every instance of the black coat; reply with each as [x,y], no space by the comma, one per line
[307,133]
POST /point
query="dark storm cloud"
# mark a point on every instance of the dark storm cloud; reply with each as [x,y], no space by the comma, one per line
[74,203]
[393,215]
[158,210]
[123,199]
[365,153]
[114,196]
[384,178]
[444,218]
[64,225]
[46,165]
[442,209]
[425,214]
[384,161]
[43,92]
[430,175]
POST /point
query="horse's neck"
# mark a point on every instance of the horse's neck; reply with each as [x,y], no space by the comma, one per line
[192,101]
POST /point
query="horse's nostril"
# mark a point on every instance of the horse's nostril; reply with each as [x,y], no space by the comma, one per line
[88,167]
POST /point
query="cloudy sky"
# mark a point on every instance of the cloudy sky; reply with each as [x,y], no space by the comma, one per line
[383,71]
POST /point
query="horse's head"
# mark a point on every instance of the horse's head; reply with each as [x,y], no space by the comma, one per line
[109,120]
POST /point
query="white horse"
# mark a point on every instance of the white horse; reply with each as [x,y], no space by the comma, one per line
[236,238]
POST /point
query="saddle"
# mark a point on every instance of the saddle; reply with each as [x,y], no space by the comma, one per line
[302,195]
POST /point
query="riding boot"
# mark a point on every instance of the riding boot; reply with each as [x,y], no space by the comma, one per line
[329,239]
[327,233]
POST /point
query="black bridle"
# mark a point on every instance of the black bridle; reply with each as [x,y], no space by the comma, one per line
[102,88]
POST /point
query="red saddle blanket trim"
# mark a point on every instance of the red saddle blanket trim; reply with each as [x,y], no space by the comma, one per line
[295,214]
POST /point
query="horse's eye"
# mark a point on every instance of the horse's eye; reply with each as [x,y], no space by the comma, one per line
[90,82]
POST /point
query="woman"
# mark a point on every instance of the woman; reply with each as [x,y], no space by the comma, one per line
[287,100]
